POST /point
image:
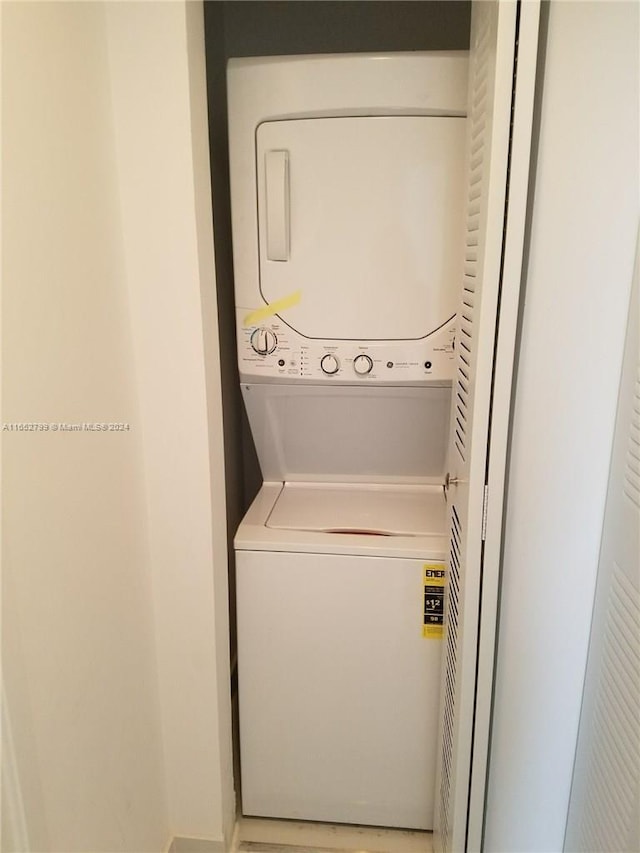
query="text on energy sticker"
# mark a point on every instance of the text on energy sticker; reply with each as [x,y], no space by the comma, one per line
[433,583]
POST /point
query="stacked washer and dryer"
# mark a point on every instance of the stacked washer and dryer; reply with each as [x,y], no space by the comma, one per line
[347,202]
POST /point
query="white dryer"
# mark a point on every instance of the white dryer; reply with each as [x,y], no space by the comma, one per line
[346,180]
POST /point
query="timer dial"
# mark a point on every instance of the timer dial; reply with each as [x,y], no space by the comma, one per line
[263,341]
[362,364]
[329,364]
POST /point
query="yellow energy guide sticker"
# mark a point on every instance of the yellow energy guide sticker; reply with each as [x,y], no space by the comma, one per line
[433,620]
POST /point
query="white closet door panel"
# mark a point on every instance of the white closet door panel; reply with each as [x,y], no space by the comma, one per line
[509,301]
[493,36]
[604,810]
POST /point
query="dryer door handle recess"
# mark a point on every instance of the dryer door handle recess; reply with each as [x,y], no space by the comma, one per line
[276,165]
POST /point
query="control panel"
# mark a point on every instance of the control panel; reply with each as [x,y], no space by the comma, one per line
[272,351]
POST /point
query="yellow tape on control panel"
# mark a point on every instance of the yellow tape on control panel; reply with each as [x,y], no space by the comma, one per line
[272,308]
[433,619]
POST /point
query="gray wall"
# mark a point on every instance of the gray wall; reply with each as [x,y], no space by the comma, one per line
[274,28]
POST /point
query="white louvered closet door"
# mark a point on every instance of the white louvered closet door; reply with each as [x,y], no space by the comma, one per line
[494,28]
[604,810]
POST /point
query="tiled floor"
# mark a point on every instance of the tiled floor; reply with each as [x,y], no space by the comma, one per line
[255,835]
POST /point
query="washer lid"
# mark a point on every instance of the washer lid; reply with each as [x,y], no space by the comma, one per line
[346,508]
[359,223]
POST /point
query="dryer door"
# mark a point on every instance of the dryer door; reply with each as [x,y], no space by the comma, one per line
[363,216]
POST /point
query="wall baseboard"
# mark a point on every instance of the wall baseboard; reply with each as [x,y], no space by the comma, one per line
[180,844]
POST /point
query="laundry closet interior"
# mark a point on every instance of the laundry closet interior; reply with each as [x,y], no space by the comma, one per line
[339,157]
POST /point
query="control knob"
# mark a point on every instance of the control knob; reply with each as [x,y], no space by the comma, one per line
[362,364]
[263,341]
[329,364]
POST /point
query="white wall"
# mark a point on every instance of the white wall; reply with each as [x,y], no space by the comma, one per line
[159,97]
[585,216]
[115,634]
[78,640]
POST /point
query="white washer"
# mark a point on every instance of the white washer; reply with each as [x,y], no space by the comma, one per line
[338,685]
[347,212]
